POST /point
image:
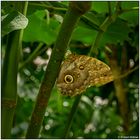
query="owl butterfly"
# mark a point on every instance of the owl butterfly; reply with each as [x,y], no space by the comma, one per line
[78,72]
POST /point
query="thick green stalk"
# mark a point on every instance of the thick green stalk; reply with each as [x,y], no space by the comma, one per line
[9,83]
[52,71]
[9,80]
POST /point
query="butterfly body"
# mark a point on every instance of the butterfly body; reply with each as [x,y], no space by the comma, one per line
[78,72]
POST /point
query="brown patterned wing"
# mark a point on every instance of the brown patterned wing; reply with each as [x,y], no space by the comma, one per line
[78,72]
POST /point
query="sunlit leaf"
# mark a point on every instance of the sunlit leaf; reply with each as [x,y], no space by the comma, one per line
[13,21]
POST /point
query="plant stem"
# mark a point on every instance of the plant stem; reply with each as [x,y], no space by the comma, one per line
[127,73]
[109,8]
[52,71]
[71,116]
[121,92]
[99,36]
[9,83]
[24,11]
[31,57]
[9,79]
[48,7]
[103,28]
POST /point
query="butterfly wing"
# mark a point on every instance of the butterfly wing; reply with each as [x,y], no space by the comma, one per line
[78,72]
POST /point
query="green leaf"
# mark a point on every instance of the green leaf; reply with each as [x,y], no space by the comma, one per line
[41,29]
[102,6]
[84,35]
[13,21]
[132,17]
[131,14]
[129,4]
[7,7]
[116,32]
[90,21]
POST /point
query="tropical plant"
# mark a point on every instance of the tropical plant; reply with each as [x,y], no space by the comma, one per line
[36,36]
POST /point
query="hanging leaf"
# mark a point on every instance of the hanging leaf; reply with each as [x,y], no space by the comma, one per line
[13,21]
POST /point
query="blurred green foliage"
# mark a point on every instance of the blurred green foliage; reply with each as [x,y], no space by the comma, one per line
[98,114]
